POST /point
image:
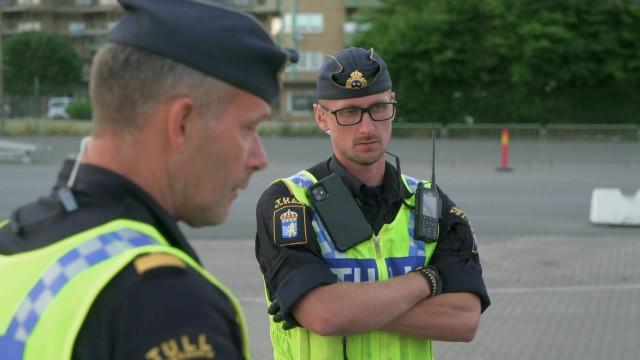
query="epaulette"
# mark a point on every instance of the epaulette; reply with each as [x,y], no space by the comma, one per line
[152,261]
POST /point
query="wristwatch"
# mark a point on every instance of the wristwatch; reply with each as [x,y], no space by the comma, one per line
[430,274]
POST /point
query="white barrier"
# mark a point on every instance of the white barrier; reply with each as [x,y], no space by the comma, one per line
[609,206]
[17,150]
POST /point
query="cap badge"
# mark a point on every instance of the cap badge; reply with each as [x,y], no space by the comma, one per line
[356,80]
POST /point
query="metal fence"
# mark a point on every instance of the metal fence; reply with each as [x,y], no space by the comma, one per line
[598,132]
[587,132]
[591,132]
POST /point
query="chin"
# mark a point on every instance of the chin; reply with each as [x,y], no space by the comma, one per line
[368,159]
[210,219]
[217,219]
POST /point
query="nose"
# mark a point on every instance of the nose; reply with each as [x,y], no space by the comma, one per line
[366,125]
[257,156]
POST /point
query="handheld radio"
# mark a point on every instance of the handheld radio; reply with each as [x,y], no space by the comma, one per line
[428,202]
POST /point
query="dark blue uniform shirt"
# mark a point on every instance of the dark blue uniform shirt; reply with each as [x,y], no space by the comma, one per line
[290,271]
[163,313]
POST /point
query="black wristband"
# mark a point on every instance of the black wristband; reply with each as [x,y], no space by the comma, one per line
[430,274]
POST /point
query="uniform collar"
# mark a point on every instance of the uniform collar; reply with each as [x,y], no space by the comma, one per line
[101,183]
[389,189]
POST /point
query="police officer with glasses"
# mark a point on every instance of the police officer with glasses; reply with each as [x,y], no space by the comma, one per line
[387,296]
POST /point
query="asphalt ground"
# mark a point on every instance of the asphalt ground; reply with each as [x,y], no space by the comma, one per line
[561,288]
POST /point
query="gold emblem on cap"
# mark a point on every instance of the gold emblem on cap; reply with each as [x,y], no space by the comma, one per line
[356,80]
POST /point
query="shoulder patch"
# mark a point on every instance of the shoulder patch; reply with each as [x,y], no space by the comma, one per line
[151,261]
[290,225]
[458,212]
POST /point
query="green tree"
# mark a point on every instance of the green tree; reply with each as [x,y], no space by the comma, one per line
[436,51]
[510,60]
[43,56]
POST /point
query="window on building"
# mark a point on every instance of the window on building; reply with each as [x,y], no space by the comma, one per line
[76,27]
[300,102]
[28,26]
[306,23]
[83,2]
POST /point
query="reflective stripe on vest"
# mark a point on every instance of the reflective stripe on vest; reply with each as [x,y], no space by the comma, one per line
[59,274]
[48,292]
[392,253]
[365,268]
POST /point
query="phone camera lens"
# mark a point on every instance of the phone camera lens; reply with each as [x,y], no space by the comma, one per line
[319,193]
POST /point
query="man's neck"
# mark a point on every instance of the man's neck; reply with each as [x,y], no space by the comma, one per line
[370,175]
[133,160]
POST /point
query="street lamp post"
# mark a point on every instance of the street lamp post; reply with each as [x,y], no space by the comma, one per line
[294,36]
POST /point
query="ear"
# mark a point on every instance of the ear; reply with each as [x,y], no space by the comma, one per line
[181,116]
[320,118]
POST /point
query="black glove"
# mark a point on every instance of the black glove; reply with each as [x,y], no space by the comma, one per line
[431,275]
[288,321]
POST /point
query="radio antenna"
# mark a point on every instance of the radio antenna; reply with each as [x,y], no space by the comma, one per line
[433,153]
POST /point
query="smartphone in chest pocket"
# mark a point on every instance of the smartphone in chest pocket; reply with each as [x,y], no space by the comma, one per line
[339,212]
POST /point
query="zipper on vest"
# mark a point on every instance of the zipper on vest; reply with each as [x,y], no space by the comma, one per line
[376,245]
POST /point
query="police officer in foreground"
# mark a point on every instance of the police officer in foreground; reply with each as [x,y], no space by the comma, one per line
[99,269]
[390,295]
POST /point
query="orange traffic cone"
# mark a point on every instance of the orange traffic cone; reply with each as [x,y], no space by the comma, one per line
[504,161]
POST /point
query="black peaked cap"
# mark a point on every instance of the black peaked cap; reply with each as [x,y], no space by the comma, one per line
[206,35]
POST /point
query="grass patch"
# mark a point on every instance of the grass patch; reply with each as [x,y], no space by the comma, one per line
[289,129]
[23,127]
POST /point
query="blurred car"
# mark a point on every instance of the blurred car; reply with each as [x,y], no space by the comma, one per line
[57,108]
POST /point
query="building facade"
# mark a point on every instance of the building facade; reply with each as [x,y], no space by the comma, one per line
[314,28]
[85,23]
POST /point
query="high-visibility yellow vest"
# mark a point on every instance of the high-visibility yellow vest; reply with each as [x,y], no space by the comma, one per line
[46,293]
[393,252]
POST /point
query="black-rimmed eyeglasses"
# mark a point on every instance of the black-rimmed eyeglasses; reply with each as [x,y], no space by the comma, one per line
[352,115]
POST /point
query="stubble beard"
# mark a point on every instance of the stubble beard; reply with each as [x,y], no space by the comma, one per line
[364,161]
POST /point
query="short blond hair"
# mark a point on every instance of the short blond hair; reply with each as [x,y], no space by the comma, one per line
[127,85]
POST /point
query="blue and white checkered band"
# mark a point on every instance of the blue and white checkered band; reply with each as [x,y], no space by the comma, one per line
[418,248]
[364,270]
[301,179]
[413,183]
[68,266]
[327,247]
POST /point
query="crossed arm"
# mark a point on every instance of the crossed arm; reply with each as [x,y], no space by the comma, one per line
[398,305]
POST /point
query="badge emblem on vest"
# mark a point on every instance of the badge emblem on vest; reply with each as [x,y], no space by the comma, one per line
[289,224]
[356,80]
